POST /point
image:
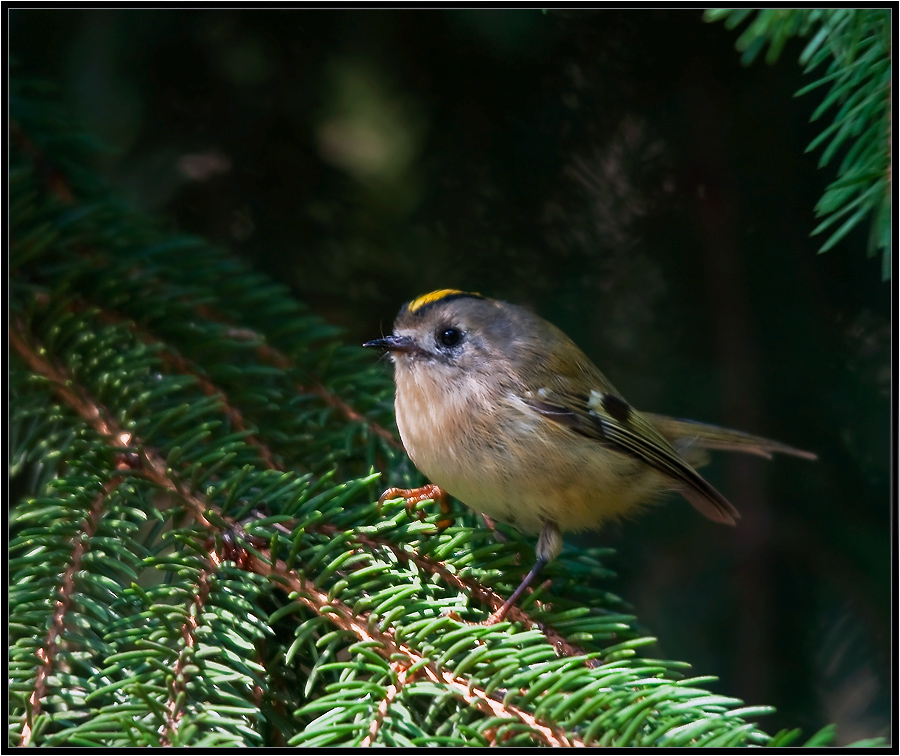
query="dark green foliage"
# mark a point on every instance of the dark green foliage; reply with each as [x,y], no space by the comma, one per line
[196,554]
[855,45]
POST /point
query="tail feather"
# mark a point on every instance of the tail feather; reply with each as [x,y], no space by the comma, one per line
[685,434]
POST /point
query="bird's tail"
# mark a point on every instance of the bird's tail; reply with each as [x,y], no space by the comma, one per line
[688,437]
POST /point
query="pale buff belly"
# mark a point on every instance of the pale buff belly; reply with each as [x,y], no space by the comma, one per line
[523,471]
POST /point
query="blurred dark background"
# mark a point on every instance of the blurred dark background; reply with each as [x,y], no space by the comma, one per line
[621,173]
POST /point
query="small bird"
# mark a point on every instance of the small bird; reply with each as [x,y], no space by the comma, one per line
[500,409]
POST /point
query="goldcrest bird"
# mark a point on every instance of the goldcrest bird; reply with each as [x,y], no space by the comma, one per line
[500,409]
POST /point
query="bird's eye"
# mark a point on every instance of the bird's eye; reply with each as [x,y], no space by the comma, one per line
[449,337]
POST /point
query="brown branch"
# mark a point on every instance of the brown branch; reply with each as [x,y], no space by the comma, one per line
[47,652]
[59,381]
[234,415]
[480,592]
[154,467]
[333,400]
[174,714]
[305,592]
[178,362]
[391,693]
[277,358]
[552,736]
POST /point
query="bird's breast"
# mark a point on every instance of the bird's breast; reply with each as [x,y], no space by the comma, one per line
[498,458]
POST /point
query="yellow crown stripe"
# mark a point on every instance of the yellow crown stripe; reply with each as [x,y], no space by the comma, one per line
[436,296]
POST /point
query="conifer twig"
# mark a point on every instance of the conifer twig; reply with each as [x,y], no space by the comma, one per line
[305,592]
[47,652]
[174,704]
[155,467]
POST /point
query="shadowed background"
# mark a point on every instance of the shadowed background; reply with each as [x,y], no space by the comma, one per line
[620,173]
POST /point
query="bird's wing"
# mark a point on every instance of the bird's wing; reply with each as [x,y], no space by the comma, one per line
[608,419]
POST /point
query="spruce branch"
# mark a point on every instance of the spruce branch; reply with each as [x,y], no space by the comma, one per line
[854,47]
[158,471]
[404,658]
[198,557]
[47,652]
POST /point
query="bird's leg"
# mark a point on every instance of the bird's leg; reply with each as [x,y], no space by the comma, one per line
[548,546]
[413,496]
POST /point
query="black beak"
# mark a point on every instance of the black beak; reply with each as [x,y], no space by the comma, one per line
[392,344]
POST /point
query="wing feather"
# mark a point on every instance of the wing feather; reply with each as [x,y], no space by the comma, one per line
[621,427]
